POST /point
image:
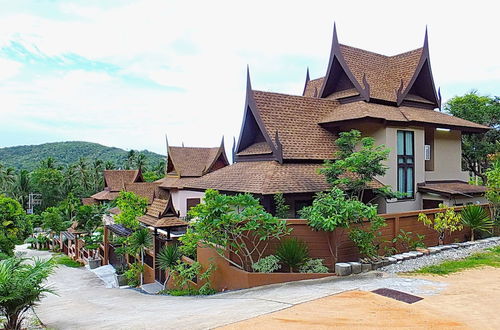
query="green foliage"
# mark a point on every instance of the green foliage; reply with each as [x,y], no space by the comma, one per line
[11,224]
[493,192]
[21,287]
[133,274]
[67,261]
[490,258]
[132,206]
[137,243]
[28,157]
[48,182]
[367,239]
[53,221]
[483,110]
[292,253]
[236,223]
[89,217]
[444,222]
[477,219]
[267,264]
[353,169]
[281,207]
[313,266]
[167,258]
[186,273]
[406,241]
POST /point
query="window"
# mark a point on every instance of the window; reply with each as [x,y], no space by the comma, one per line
[192,202]
[406,164]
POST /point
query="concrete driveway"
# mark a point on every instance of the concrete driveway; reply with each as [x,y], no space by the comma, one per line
[83,302]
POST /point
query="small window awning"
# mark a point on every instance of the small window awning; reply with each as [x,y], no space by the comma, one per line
[68,235]
[119,230]
[452,188]
[163,222]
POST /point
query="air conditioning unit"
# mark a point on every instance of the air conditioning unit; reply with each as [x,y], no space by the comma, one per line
[427,152]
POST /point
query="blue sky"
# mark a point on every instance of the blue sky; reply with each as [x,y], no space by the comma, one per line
[125,73]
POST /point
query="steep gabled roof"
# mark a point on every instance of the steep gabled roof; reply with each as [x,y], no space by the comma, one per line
[195,161]
[115,180]
[143,189]
[357,74]
[162,214]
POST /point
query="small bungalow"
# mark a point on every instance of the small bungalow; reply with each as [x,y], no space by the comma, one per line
[284,138]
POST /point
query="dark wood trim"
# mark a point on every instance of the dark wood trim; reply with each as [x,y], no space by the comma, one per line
[405,165]
[307,81]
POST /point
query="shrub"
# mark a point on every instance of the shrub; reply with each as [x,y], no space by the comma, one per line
[133,274]
[268,264]
[313,266]
[167,258]
[281,207]
[476,218]
[292,253]
[367,240]
[407,242]
[67,261]
[445,221]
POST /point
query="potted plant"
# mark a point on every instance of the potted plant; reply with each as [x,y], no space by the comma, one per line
[121,279]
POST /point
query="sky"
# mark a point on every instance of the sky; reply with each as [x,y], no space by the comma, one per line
[126,73]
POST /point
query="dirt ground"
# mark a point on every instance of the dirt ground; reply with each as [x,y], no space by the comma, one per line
[471,300]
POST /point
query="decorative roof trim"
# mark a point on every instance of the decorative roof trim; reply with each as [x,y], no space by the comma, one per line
[252,106]
[425,57]
[222,151]
[336,53]
[307,81]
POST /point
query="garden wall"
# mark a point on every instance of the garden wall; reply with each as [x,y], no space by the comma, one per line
[317,241]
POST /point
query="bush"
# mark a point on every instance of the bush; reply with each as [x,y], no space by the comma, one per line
[67,261]
[476,218]
[268,264]
[367,241]
[313,266]
[407,242]
[292,253]
[133,274]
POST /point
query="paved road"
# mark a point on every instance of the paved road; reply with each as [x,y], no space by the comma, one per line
[83,302]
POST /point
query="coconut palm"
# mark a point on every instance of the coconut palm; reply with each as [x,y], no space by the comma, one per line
[22,287]
[167,258]
[138,242]
[476,218]
[83,173]
[140,161]
[21,188]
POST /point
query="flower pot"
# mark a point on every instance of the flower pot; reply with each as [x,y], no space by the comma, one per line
[121,279]
[94,263]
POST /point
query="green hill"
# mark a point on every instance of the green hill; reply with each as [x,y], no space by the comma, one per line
[28,157]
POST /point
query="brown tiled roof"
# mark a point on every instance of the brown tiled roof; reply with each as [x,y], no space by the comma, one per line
[174,182]
[296,119]
[89,201]
[258,148]
[162,222]
[361,109]
[105,195]
[265,177]
[452,188]
[157,208]
[383,73]
[143,189]
[191,161]
[115,180]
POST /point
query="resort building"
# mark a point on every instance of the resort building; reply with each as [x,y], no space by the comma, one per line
[284,138]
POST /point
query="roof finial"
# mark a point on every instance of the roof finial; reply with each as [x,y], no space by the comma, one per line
[335,39]
[426,40]
[249,83]
[222,141]
[307,81]
[166,141]
[439,98]
[183,144]
[233,150]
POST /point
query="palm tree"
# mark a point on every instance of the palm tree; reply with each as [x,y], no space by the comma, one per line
[48,163]
[22,187]
[130,159]
[98,181]
[167,258]
[140,161]
[7,179]
[22,287]
[476,218]
[82,170]
[109,165]
[69,184]
[138,242]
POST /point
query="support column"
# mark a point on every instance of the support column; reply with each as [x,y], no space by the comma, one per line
[105,244]
[77,248]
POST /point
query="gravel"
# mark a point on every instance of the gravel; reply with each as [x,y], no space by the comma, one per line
[433,259]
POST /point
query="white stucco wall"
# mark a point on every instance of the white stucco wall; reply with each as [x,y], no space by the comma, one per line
[447,157]
[179,198]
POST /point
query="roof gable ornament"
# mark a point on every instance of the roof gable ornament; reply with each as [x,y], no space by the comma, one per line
[422,81]
[252,123]
[307,81]
[337,63]
[233,149]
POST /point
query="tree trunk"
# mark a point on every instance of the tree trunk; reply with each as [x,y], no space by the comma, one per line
[142,263]
[472,234]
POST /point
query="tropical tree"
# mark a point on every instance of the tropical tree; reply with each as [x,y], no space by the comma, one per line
[483,110]
[54,221]
[21,287]
[21,187]
[281,208]
[238,224]
[137,243]
[48,182]
[131,206]
[11,224]
[140,161]
[446,221]
[7,179]
[477,219]
[493,192]
[167,259]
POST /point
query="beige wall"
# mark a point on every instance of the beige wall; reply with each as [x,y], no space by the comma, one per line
[447,157]
[179,198]
[456,201]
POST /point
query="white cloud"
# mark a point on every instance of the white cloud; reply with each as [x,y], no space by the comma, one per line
[203,48]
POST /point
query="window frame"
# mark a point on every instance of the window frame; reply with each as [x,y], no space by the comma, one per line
[404,164]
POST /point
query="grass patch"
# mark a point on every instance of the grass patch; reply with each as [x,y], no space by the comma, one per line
[489,258]
[67,261]
[189,292]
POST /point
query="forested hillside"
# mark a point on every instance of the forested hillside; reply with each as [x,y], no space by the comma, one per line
[29,157]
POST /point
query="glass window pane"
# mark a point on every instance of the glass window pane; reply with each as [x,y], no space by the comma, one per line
[409,143]
[409,181]
[409,160]
[401,160]
[401,179]
[401,142]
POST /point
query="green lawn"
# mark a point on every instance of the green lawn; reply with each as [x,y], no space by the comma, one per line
[489,258]
[67,261]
